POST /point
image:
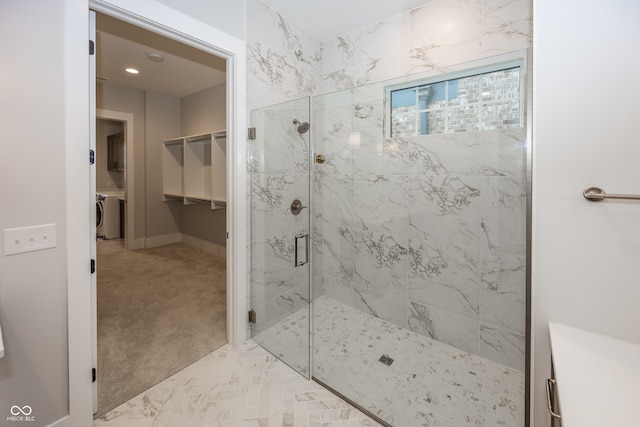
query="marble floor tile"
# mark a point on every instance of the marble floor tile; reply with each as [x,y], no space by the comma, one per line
[245,386]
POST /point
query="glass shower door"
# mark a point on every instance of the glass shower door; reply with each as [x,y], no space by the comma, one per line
[280,241]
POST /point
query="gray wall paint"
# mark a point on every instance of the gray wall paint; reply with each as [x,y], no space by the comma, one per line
[33,288]
[104,177]
[131,101]
[204,112]
[162,122]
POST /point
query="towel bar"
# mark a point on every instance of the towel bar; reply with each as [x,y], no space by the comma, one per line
[595,194]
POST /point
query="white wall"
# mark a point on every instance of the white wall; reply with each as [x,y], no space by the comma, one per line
[33,288]
[225,15]
[586,112]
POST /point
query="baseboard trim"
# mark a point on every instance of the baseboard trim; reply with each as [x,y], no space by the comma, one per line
[205,245]
[136,244]
[152,242]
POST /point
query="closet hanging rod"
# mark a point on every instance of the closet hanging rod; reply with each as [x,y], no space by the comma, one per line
[595,194]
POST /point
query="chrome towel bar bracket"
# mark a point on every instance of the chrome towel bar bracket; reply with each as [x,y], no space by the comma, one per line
[595,194]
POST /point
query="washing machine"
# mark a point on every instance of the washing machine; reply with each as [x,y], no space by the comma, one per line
[107,216]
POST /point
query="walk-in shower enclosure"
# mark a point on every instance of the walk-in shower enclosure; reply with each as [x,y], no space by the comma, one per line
[389,242]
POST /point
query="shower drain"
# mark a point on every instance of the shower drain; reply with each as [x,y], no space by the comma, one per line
[386,360]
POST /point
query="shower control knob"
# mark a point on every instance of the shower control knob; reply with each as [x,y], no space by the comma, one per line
[296,207]
[320,158]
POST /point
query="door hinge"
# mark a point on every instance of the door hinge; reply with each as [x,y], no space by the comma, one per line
[251,134]
[227,234]
[92,47]
[92,157]
[252,316]
[93,266]
[94,375]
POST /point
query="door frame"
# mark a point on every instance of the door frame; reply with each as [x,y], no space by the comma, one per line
[127,120]
[164,20]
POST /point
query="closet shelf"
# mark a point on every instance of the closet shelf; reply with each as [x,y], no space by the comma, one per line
[194,169]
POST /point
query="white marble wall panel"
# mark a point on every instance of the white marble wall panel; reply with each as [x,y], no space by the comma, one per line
[446,153]
[339,290]
[270,203]
[502,292]
[443,326]
[381,206]
[503,214]
[334,142]
[273,259]
[445,209]
[480,153]
[502,346]
[279,147]
[508,25]
[433,37]
[283,62]
[381,305]
[369,55]
[445,277]
[445,33]
[504,152]
[381,263]
[338,200]
[338,253]
[368,127]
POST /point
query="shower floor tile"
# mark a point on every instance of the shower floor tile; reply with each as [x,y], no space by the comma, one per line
[427,384]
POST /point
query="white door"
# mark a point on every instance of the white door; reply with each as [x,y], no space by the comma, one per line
[92,147]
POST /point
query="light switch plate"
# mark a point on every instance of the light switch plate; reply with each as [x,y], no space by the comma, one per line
[28,239]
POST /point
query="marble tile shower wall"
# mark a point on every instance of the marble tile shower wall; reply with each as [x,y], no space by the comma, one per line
[433,37]
[376,205]
[283,63]
[427,232]
[279,164]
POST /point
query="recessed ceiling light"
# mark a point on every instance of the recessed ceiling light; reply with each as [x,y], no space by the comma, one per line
[155,57]
[131,70]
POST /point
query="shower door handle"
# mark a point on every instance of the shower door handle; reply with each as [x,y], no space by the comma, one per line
[296,249]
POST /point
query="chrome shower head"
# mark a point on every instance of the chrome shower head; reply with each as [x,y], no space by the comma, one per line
[302,127]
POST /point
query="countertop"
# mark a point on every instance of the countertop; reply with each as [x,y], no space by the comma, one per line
[113,192]
[598,378]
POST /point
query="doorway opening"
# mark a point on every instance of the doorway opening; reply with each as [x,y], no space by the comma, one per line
[161,267]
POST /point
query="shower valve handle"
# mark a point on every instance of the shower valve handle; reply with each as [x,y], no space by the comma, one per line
[296,207]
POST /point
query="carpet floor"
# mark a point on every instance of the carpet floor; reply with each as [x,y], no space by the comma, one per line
[159,310]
